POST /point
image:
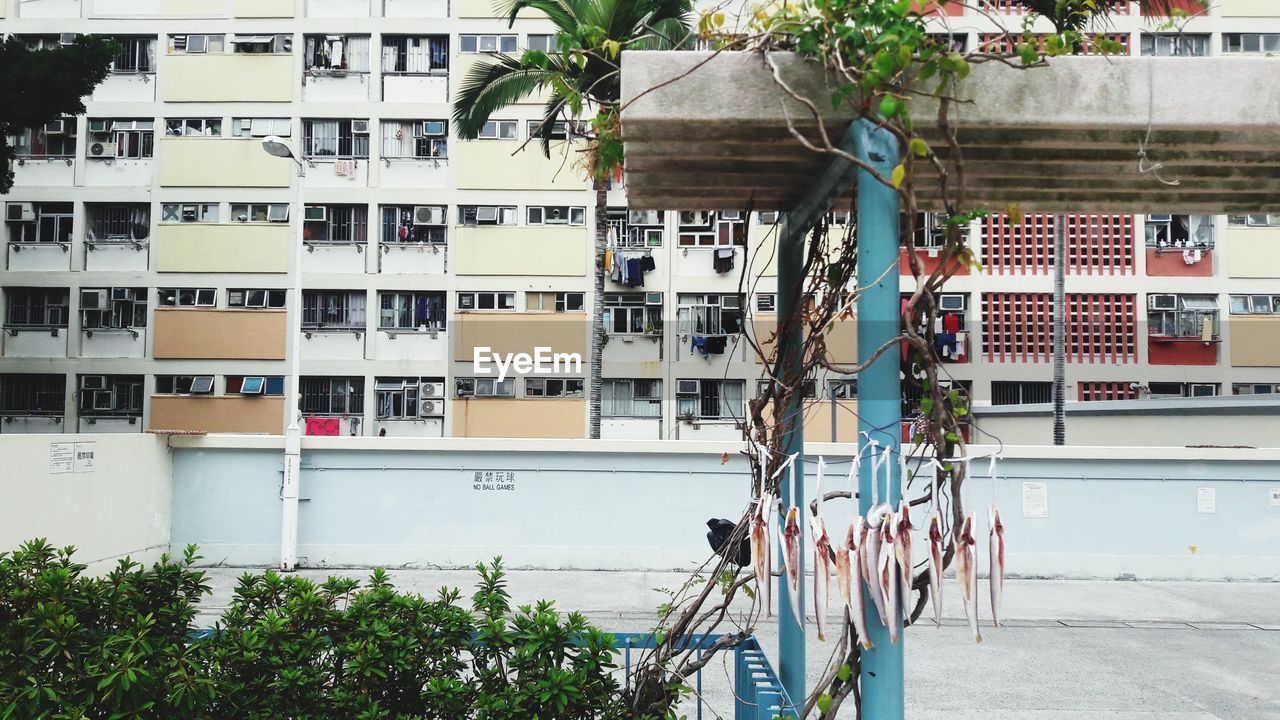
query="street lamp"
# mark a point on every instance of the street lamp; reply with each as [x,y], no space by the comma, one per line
[277,147]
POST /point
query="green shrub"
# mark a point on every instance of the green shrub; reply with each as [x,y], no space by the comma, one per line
[121,646]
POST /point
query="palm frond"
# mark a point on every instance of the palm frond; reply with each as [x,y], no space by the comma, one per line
[491,86]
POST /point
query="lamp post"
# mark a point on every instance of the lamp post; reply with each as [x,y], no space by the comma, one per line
[277,147]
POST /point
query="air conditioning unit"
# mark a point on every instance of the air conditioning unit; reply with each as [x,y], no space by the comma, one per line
[315,213]
[428,215]
[644,217]
[431,408]
[1159,218]
[951,303]
[104,400]
[686,387]
[102,150]
[1162,302]
[98,125]
[653,298]
[359,127]
[122,294]
[466,387]
[433,128]
[695,217]
[93,299]
[487,214]
[20,212]
[66,38]
[55,127]
[730,214]
[1203,390]
[769,218]
[93,382]
[432,390]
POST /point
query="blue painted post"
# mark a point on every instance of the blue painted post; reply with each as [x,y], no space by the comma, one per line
[879,401]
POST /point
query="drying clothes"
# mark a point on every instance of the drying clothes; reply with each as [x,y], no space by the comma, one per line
[608,259]
[648,264]
[323,426]
[722,260]
[945,344]
[616,274]
[951,323]
[635,276]
[717,344]
[699,344]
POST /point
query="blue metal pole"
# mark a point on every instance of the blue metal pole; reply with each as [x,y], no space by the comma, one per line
[879,401]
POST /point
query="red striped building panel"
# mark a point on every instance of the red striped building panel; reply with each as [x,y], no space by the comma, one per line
[1101,328]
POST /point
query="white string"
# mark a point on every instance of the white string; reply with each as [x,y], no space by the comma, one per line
[818,495]
[991,470]
[1154,168]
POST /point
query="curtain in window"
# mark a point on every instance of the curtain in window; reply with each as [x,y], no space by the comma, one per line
[151,55]
[439,47]
[389,56]
[357,302]
[731,399]
[358,54]
[417,56]
[324,137]
[610,398]
[397,139]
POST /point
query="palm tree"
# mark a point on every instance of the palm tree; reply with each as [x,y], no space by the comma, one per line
[582,75]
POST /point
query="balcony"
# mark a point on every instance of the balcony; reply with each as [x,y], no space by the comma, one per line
[213,247]
[232,77]
[220,162]
[219,335]
[188,413]
[520,250]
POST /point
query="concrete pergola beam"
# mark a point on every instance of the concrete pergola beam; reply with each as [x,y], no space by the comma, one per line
[711,132]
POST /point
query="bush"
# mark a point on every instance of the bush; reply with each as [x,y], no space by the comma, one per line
[121,646]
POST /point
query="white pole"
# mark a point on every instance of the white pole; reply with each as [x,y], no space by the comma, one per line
[293,431]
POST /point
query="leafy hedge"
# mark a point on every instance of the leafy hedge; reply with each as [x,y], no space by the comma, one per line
[121,646]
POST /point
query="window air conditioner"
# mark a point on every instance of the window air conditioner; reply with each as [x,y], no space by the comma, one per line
[431,408]
[643,217]
[428,215]
[1159,218]
[695,217]
[104,400]
[730,214]
[466,387]
[432,389]
[102,150]
[93,382]
[98,126]
[653,298]
[686,387]
[432,128]
[359,127]
[487,214]
[19,212]
[1162,302]
[93,299]
[122,294]
[55,127]
[66,38]
[951,303]
[315,213]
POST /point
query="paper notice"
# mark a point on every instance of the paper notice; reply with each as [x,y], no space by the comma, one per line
[1035,500]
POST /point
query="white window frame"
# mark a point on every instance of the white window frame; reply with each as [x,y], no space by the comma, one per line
[256,298]
[189,212]
[488,43]
[471,215]
[197,44]
[186,297]
[546,388]
[193,127]
[1255,304]
[536,301]
[626,308]
[693,403]
[484,387]
[706,311]
[194,384]
[248,127]
[499,301]
[555,215]
[499,130]
[622,398]
[260,212]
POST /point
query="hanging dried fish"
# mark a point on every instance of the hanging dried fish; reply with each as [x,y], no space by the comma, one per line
[887,575]
[967,573]
[791,541]
[997,564]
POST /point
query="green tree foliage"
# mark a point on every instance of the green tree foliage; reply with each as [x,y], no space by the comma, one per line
[38,86]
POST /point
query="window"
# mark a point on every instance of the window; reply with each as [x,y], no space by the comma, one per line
[1250,42]
[412,311]
[1180,390]
[118,222]
[554,301]
[336,54]
[39,222]
[1255,304]
[709,399]
[635,228]
[556,215]
[537,387]
[110,139]
[486,301]
[334,309]
[952,311]
[486,215]
[1254,220]
[545,43]
[36,307]
[767,302]
[1255,388]
[189,212]
[631,398]
[109,395]
[414,224]
[56,139]
[484,387]
[27,395]
[335,138]
[336,224]
[709,229]
[808,388]
[498,130]
[487,43]
[113,308]
[396,398]
[193,127]
[415,54]
[1175,45]
[1179,231]
[842,389]
[255,385]
[254,299]
[137,54]
[260,212]
[931,230]
[262,44]
[1185,316]
[261,127]
[187,297]
[184,384]
[556,130]
[1021,393]
[633,313]
[196,44]
[331,396]
[700,314]
[415,139]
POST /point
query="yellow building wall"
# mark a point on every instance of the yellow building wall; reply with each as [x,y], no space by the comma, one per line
[490,165]
[238,247]
[1255,341]
[264,8]
[199,334]
[1249,8]
[171,8]
[520,250]
[842,337]
[490,417]
[462,64]
[227,78]
[1253,252]
[220,162]
[485,9]
[217,414]
[519,333]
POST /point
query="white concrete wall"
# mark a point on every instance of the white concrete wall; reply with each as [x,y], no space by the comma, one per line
[120,507]
[415,89]
[34,257]
[352,88]
[120,172]
[128,88]
[123,257]
[36,343]
[114,344]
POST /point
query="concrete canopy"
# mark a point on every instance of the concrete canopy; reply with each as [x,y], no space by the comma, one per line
[1058,138]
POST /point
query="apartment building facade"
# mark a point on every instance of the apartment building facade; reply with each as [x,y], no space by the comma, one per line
[149,258]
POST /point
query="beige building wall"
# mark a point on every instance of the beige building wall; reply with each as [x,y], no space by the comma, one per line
[219,335]
[541,418]
[220,162]
[519,333]
[818,420]
[206,247]
[264,8]
[490,165]
[1253,252]
[1255,341]
[470,9]
[178,8]
[1249,8]
[217,414]
[555,250]
[227,78]
[842,337]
